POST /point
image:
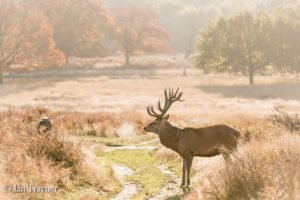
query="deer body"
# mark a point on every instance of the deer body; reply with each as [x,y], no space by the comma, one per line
[190,142]
[203,142]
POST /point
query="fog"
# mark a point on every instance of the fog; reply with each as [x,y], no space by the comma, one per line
[119,99]
[184,19]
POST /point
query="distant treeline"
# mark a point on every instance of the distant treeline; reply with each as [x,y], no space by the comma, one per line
[45,33]
[252,43]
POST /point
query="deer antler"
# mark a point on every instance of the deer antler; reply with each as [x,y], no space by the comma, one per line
[170,98]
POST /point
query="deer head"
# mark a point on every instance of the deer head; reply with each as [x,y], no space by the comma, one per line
[160,118]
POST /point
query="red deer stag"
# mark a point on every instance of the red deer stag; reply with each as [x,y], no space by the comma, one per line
[189,142]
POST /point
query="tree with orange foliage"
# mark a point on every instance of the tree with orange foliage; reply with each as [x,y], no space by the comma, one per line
[80,26]
[26,38]
[10,36]
[136,30]
[39,50]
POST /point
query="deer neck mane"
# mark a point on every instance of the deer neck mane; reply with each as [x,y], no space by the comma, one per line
[169,135]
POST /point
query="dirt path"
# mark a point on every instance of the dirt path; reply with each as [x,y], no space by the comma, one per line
[171,185]
[149,141]
[129,189]
[169,188]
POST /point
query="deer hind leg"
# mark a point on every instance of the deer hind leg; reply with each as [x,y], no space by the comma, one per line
[226,156]
[184,166]
[225,151]
[189,166]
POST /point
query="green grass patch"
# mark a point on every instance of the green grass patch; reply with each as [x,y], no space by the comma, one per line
[147,173]
[171,160]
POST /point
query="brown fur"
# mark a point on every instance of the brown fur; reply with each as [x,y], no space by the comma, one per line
[190,142]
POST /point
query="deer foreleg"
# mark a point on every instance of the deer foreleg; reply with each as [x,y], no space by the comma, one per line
[184,167]
[189,166]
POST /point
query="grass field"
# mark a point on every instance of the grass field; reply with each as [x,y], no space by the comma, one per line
[205,95]
[99,108]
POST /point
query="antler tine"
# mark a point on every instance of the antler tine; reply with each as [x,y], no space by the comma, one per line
[179,96]
[152,110]
[166,96]
[166,99]
[174,97]
[159,106]
[149,113]
[170,98]
[176,91]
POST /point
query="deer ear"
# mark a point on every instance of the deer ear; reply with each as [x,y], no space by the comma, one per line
[166,117]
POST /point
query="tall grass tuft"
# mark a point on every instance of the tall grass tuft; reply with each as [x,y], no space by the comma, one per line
[265,169]
[289,122]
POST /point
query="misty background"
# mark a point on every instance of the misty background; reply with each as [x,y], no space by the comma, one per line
[92,67]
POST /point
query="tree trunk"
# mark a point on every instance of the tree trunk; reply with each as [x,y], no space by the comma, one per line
[1,76]
[127,57]
[250,67]
[251,75]
[67,60]
[190,42]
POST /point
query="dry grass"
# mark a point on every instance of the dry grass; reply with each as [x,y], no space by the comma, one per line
[134,88]
[267,169]
[210,99]
[265,166]
[252,127]
[76,123]
[99,124]
[283,119]
[44,160]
